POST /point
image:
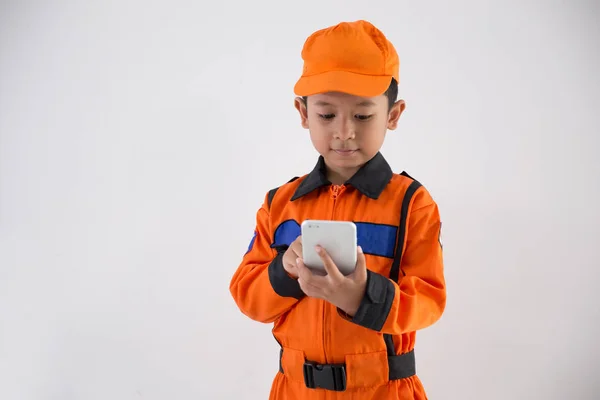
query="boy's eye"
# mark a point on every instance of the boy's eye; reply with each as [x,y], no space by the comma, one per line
[326,116]
[360,117]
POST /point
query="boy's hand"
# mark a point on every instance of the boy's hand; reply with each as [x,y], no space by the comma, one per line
[344,292]
[291,255]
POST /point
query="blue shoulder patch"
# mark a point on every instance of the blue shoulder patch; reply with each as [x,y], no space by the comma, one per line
[251,242]
[286,233]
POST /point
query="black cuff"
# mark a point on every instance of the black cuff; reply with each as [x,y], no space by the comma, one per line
[283,284]
[377,302]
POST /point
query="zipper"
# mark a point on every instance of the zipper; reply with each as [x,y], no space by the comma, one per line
[335,190]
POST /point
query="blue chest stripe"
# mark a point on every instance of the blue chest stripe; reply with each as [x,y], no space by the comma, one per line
[375,239]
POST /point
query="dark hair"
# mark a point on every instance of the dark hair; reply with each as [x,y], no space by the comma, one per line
[391,93]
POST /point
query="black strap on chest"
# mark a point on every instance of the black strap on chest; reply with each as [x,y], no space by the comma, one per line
[401,238]
[401,234]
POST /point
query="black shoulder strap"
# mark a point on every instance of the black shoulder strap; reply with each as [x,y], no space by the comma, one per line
[272,192]
[271,195]
[404,173]
[414,186]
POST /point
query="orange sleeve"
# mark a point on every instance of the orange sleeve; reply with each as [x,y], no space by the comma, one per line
[260,286]
[419,299]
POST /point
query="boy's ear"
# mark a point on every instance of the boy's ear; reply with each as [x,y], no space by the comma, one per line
[394,114]
[301,107]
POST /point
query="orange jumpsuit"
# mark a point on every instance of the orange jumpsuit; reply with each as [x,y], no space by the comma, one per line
[326,354]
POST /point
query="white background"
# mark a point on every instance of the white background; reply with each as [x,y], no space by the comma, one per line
[137,141]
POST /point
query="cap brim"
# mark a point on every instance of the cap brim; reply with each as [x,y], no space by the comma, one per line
[342,81]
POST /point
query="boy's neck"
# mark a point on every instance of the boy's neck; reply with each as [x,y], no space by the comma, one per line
[340,176]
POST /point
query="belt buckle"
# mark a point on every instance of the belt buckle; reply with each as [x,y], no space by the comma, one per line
[325,376]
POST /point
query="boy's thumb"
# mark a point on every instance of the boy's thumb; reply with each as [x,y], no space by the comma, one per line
[361,265]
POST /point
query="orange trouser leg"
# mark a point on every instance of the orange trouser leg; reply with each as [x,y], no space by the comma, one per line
[403,389]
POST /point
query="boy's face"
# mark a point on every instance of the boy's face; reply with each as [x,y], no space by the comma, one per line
[347,130]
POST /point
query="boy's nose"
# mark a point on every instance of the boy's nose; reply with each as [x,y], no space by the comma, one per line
[345,130]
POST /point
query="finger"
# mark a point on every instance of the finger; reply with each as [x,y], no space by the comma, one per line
[332,270]
[289,257]
[309,276]
[307,287]
[304,273]
[304,287]
[297,246]
[360,271]
[298,242]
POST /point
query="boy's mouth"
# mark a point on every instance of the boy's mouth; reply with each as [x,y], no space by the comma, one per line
[344,152]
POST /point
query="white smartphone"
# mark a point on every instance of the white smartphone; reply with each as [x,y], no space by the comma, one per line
[338,238]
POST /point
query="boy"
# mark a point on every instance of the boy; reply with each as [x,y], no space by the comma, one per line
[347,337]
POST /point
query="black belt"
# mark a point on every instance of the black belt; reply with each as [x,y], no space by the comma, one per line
[333,376]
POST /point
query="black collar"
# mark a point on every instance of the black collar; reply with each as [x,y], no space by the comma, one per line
[371,179]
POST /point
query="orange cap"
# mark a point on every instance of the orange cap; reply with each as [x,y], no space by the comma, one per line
[350,57]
